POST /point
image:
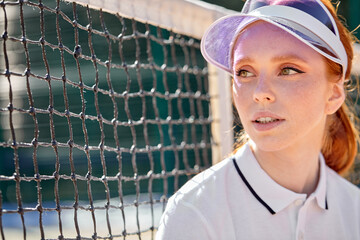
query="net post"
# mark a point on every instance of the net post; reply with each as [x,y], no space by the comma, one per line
[221,109]
[356,61]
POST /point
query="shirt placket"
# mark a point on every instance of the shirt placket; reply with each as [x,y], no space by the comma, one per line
[300,228]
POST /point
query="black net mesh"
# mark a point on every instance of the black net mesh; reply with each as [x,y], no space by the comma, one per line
[102,119]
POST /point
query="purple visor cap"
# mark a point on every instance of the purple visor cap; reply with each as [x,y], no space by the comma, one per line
[307,20]
[217,43]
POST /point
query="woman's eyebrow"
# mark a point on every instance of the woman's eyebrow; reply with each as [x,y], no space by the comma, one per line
[243,60]
[290,57]
[280,58]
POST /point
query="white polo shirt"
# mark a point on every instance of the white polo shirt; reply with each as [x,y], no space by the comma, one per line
[236,199]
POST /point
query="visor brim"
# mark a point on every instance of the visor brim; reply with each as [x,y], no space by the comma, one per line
[218,40]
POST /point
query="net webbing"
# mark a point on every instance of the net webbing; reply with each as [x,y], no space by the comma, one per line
[125,113]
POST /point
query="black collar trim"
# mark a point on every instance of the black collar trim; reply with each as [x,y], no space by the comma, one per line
[251,189]
[326,204]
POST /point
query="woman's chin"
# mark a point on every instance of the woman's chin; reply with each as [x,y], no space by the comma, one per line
[268,144]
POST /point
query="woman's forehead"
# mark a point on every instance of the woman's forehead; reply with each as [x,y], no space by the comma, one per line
[264,40]
[264,33]
[262,28]
[278,2]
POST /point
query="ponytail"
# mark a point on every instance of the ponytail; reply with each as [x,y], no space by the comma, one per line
[341,136]
[339,146]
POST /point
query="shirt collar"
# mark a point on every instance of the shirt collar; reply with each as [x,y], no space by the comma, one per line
[269,193]
[320,191]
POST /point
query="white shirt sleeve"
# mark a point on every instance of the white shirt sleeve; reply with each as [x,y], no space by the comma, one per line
[182,221]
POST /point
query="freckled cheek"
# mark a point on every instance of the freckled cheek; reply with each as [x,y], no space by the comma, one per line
[236,83]
[242,99]
[241,89]
[235,95]
[301,96]
[307,91]
[239,93]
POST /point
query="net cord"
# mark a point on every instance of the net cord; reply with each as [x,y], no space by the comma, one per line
[195,16]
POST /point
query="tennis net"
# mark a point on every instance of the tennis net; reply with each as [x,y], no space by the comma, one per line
[102,116]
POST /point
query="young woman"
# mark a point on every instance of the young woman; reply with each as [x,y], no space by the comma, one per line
[290,61]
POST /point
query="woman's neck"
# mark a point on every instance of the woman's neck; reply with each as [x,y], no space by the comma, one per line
[296,170]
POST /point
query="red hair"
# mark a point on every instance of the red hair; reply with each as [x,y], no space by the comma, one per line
[340,139]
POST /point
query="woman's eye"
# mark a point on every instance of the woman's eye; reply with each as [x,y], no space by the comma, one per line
[244,73]
[290,71]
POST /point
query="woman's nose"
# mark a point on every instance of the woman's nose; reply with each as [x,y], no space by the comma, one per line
[263,92]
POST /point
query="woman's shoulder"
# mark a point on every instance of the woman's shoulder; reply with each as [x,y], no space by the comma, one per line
[190,211]
[206,180]
[214,181]
[343,190]
[338,180]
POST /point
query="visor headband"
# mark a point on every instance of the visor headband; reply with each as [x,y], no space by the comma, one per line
[314,8]
[307,20]
[312,24]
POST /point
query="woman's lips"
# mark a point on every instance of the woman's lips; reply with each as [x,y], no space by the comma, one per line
[264,121]
[268,125]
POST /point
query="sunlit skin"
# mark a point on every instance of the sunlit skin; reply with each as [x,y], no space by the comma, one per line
[278,76]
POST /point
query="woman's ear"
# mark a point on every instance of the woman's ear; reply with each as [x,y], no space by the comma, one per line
[337,96]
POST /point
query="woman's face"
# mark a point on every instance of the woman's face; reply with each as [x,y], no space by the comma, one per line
[281,89]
